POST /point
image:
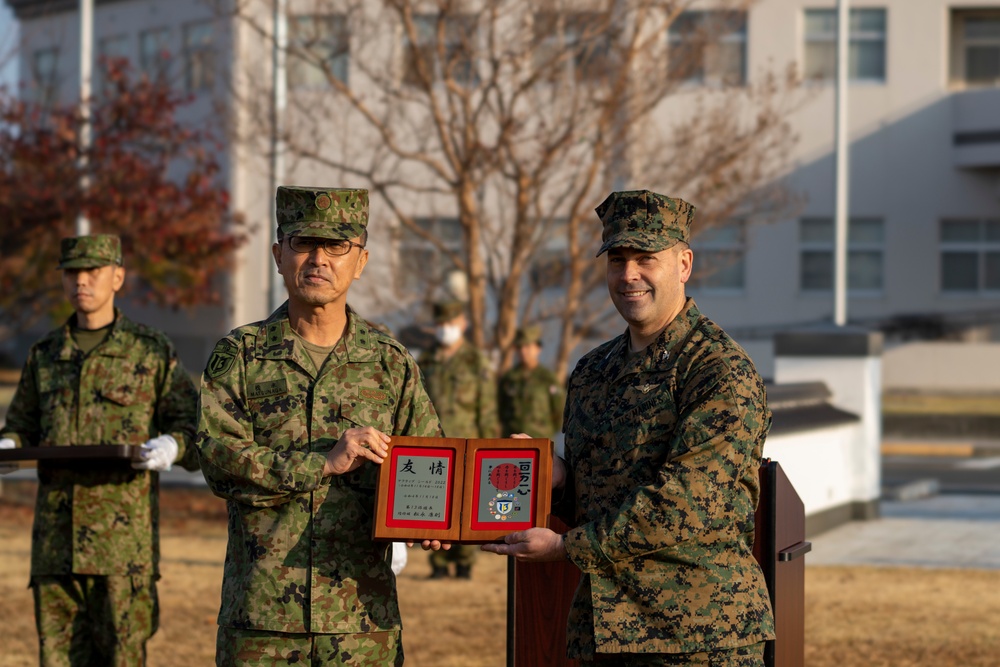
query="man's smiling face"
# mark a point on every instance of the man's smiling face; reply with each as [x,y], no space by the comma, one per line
[646,287]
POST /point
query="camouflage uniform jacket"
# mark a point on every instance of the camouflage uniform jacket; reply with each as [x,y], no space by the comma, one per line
[101,519]
[663,450]
[300,555]
[464,391]
[531,401]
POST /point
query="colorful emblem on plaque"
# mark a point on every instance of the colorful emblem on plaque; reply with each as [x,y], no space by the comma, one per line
[504,505]
[505,477]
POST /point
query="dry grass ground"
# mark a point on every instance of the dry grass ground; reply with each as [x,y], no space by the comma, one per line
[855,617]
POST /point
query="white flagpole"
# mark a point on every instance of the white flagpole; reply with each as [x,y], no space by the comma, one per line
[86,69]
[842,175]
[276,293]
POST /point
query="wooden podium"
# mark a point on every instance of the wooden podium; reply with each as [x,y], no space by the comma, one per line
[539,594]
[779,546]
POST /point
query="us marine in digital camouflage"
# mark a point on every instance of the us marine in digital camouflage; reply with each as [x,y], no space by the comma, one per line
[664,430]
[100,379]
[296,412]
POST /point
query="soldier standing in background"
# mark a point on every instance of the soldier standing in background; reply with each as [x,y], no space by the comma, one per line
[664,430]
[296,413]
[531,398]
[100,379]
[461,383]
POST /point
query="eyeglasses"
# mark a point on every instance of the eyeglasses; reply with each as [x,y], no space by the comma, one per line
[332,247]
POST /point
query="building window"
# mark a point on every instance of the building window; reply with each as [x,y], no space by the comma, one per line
[45,75]
[109,49]
[719,259]
[154,54]
[199,56]
[970,256]
[708,47]
[975,49]
[459,64]
[572,44]
[866,53]
[318,49]
[421,263]
[865,251]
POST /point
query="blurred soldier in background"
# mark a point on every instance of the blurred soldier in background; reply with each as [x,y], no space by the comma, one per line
[530,398]
[100,379]
[462,385]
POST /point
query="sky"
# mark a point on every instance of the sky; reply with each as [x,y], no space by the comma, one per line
[8,39]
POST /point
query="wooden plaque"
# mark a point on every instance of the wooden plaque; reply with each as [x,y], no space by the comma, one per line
[462,491]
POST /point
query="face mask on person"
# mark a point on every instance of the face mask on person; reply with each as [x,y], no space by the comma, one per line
[448,334]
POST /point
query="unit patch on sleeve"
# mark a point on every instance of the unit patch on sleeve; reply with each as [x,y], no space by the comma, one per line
[222,358]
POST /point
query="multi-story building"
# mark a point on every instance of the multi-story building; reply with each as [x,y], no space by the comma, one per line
[924,130]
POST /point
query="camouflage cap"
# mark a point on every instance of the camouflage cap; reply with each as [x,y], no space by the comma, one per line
[323,212]
[526,335]
[644,220]
[447,310]
[90,252]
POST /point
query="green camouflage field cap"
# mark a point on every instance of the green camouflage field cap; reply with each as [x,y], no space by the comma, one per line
[90,252]
[445,311]
[643,220]
[324,212]
[526,335]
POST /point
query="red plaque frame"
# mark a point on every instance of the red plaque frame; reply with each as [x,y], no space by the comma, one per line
[475,511]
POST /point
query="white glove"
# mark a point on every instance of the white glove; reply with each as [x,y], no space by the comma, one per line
[398,557]
[157,454]
[7,443]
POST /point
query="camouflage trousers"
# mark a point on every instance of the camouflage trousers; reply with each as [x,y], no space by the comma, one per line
[743,656]
[460,554]
[85,620]
[257,648]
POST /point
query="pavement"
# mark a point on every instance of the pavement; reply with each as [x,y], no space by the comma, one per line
[938,531]
[919,527]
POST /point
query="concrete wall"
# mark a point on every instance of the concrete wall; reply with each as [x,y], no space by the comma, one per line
[819,465]
[943,367]
[836,471]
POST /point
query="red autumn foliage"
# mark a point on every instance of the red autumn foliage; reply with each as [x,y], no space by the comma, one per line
[152,179]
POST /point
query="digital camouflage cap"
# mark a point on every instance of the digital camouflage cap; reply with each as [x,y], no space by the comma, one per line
[644,220]
[322,212]
[90,252]
[528,334]
[445,311]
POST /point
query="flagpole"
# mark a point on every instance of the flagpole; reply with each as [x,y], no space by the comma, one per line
[86,70]
[842,170]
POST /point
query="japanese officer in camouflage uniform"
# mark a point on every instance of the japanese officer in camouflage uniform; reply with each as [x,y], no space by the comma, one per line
[664,429]
[530,398]
[100,379]
[296,412]
[461,383]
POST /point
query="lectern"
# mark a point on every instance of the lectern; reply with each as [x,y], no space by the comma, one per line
[539,594]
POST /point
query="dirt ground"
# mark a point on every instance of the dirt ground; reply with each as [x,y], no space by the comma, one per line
[855,616]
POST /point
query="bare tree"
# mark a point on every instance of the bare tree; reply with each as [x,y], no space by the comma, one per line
[516,118]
